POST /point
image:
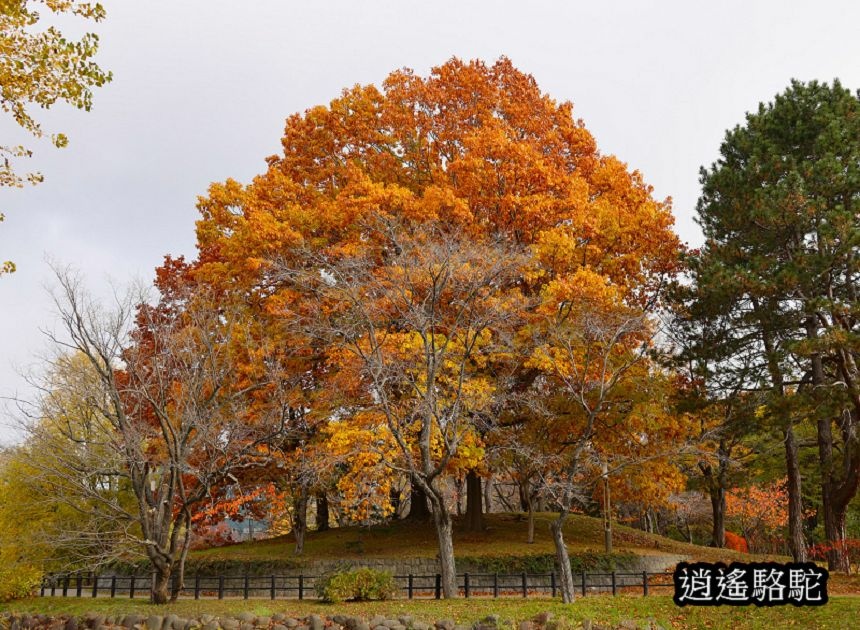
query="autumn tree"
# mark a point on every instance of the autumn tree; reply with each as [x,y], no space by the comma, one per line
[41,67]
[605,402]
[760,513]
[40,531]
[69,534]
[473,148]
[164,412]
[412,324]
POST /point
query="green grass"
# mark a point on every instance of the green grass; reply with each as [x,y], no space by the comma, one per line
[840,612]
[505,536]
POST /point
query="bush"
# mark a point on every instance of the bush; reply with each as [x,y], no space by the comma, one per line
[358,585]
[738,543]
[18,581]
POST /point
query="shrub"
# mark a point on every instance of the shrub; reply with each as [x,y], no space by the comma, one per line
[356,585]
[738,543]
[18,581]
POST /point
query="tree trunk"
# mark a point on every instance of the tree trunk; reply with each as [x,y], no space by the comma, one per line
[488,491]
[607,517]
[322,512]
[718,516]
[836,559]
[717,482]
[531,534]
[474,503]
[796,541]
[836,493]
[300,521]
[843,562]
[158,593]
[394,499]
[444,537]
[183,556]
[562,560]
[523,487]
[834,531]
[418,510]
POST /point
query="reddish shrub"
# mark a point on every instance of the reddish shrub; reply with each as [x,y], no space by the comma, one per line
[738,543]
[211,536]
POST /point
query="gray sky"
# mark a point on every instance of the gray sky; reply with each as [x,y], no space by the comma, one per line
[202,88]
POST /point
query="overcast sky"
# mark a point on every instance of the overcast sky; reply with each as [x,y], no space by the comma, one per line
[202,87]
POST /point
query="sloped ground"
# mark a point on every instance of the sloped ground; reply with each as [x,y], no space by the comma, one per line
[505,536]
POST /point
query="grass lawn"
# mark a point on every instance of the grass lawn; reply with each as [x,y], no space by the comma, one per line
[840,613]
[505,536]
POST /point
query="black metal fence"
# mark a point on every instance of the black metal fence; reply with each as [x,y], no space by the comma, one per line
[303,586]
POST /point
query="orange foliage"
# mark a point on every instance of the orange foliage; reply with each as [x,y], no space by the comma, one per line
[478,151]
[738,543]
[761,512]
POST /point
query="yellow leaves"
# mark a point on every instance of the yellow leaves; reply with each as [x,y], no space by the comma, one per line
[582,291]
[471,455]
[652,483]
[365,450]
[439,203]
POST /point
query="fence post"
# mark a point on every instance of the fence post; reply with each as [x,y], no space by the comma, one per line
[245,587]
[525,585]
[220,587]
[552,583]
[438,586]
[65,585]
[131,588]
[196,586]
[466,585]
[272,588]
[583,583]
[495,584]
[614,589]
[645,583]
[95,585]
[409,585]
[42,589]
[79,584]
[301,586]
[113,586]
[53,585]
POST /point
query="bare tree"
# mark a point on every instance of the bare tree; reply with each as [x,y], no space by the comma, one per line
[153,406]
[413,322]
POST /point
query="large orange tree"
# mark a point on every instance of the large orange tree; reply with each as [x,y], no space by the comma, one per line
[474,153]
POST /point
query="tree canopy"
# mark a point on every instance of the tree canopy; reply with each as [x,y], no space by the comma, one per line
[475,157]
[40,67]
[776,280]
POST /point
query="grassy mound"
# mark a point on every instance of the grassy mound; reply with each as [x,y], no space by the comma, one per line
[504,537]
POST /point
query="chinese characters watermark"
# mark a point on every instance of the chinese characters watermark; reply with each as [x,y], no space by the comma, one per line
[741,584]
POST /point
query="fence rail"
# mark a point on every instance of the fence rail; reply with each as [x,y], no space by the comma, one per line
[303,586]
